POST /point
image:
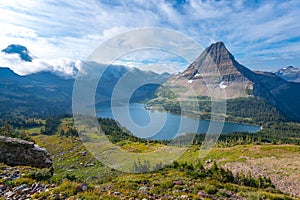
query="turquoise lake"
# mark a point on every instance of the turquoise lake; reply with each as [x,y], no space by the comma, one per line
[157,125]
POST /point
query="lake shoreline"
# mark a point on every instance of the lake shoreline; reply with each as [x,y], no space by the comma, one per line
[152,108]
[144,122]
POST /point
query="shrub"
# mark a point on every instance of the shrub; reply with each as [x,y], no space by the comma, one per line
[40,175]
[166,184]
[211,189]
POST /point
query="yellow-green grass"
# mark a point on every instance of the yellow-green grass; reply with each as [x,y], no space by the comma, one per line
[239,152]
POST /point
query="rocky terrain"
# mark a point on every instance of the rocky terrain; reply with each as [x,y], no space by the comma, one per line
[284,172]
[13,185]
[19,152]
[290,73]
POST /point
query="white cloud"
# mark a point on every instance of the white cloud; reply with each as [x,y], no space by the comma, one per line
[65,67]
[154,60]
[14,62]
[73,29]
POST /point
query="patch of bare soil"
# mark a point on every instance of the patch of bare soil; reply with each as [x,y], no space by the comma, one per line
[284,171]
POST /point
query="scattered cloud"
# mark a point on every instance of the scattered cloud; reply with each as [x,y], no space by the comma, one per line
[64,66]
[153,60]
[254,31]
[14,62]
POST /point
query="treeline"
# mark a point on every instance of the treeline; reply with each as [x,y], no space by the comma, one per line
[257,109]
[196,170]
[272,132]
[250,110]
[18,122]
[116,132]
[278,133]
[9,131]
[216,172]
[111,128]
[15,126]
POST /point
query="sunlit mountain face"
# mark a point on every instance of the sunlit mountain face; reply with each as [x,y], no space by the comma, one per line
[217,74]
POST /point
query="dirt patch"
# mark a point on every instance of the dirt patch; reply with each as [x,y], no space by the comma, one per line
[284,172]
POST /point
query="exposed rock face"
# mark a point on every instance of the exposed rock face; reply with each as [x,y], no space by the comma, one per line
[15,152]
[215,73]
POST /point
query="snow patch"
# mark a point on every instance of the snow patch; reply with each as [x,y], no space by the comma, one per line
[197,75]
[222,85]
[190,81]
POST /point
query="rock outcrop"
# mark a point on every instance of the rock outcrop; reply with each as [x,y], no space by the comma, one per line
[16,152]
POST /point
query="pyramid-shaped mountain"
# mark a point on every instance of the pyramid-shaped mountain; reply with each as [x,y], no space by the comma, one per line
[219,58]
[216,74]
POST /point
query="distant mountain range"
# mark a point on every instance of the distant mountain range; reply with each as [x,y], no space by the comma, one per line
[291,74]
[48,93]
[217,74]
[214,73]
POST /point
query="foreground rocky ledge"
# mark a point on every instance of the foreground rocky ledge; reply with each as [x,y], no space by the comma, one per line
[16,152]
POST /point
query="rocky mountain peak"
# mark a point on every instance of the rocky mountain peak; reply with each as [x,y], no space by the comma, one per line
[20,50]
[290,73]
[216,72]
[217,58]
[218,52]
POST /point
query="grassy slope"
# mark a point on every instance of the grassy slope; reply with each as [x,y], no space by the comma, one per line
[67,156]
[279,162]
[72,160]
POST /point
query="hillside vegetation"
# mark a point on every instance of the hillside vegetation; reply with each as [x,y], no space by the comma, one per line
[79,175]
[249,110]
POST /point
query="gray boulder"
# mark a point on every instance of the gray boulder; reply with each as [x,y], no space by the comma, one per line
[16,152]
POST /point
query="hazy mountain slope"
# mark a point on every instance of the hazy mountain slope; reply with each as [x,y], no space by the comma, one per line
[32,95]
[46,93]
[291,74]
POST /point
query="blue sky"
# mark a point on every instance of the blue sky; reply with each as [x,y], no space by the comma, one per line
[262,35]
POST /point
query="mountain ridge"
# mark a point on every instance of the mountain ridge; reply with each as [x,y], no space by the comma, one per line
[216,73]
[46,93]
[290,74]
